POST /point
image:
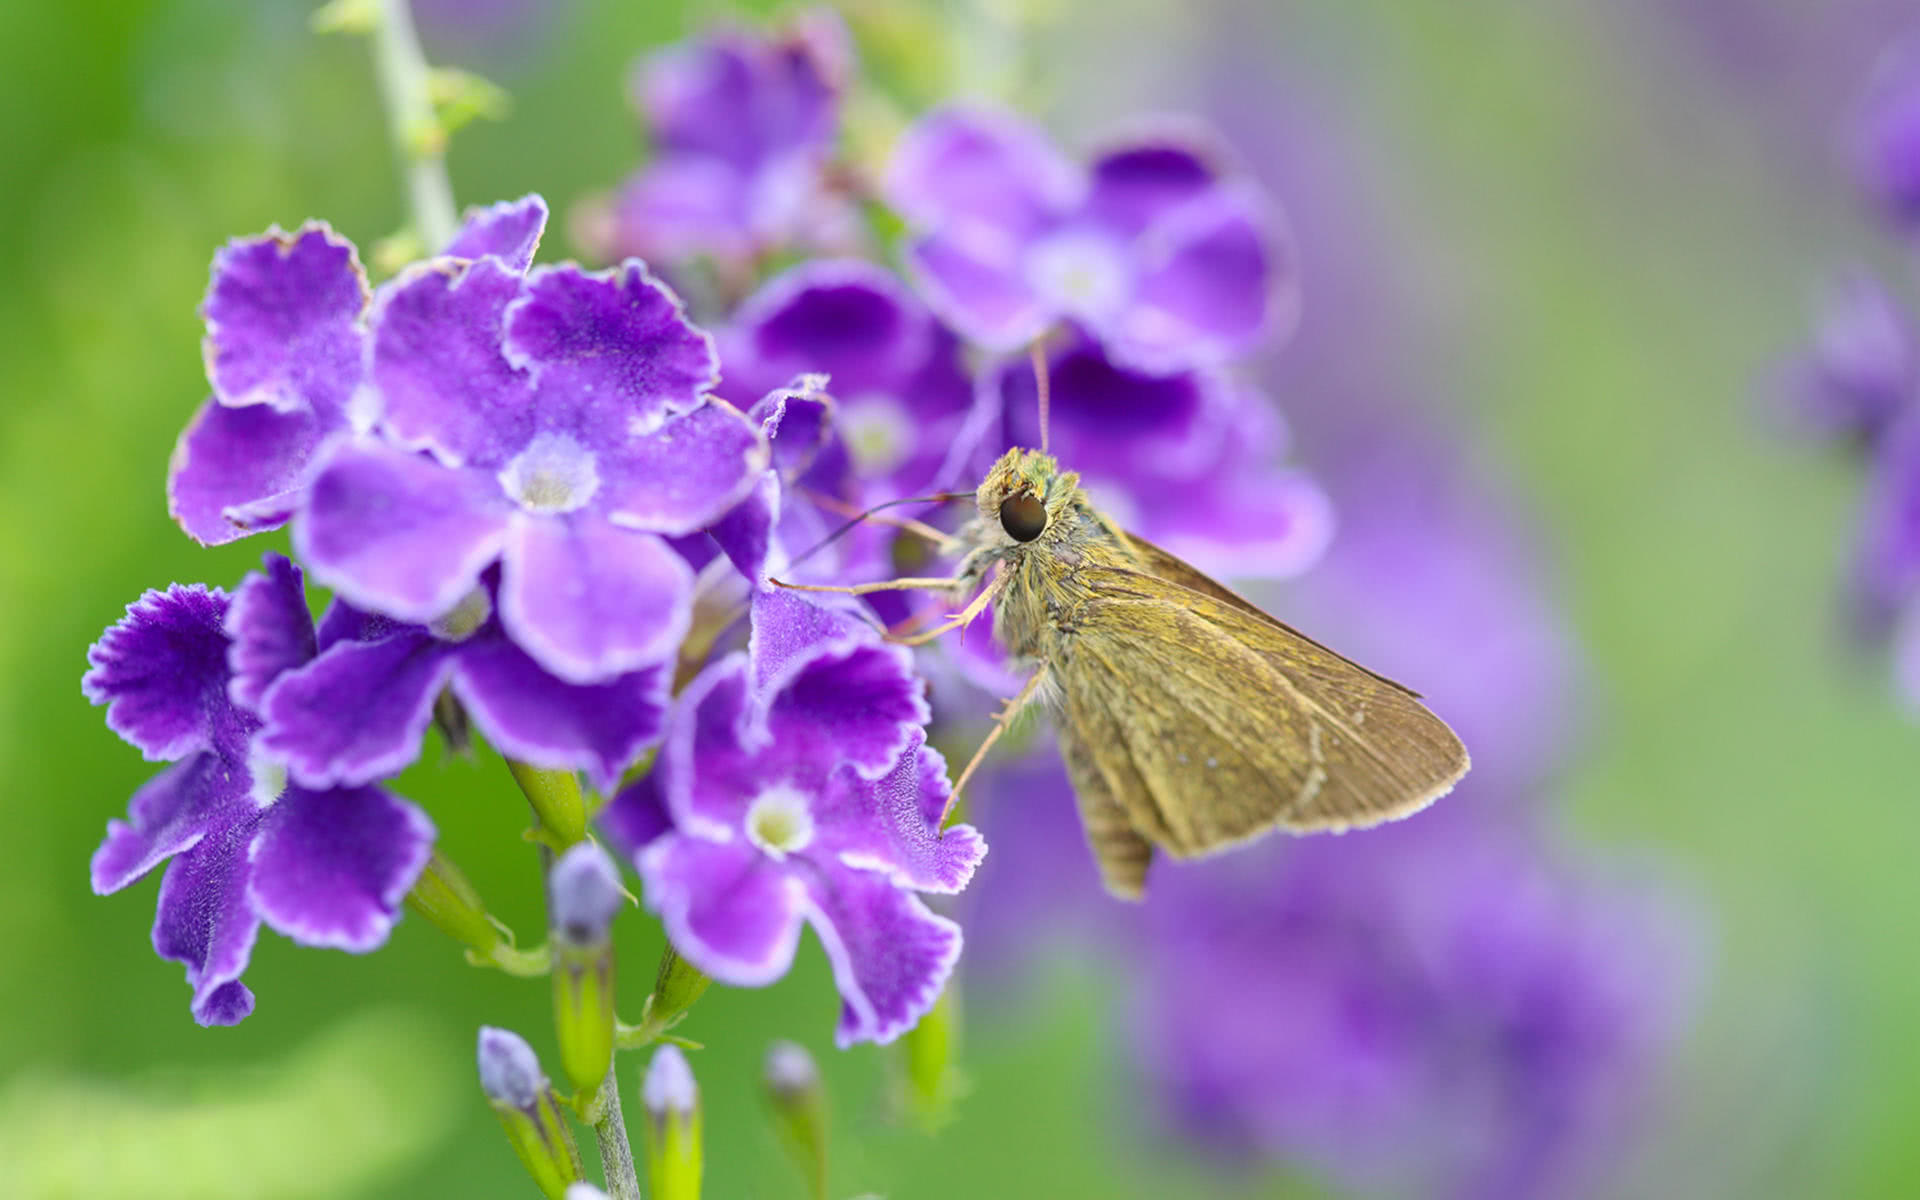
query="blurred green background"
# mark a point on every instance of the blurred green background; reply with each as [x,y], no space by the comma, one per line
[1608,231]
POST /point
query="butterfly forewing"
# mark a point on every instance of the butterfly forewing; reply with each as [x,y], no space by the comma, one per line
[1213,723]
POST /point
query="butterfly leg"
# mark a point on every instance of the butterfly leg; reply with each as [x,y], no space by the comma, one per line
[965,617]
[861,589]
[1008,711]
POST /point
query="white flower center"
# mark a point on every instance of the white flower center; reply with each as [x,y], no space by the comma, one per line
[778,821]
[877,434]
[554,474]
[464,619]
[269,777]
[1081,272]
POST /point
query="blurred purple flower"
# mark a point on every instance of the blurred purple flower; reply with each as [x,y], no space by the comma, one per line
[1184,460]
[1430,1010]
[323,867]
[566,427]
[1169,259]
[795,786]
[285,352]
[1886,568]
[357,705]
[1863,369]
[743,125]
[1887,138]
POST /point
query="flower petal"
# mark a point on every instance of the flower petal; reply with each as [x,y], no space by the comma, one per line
[509,231]
[359,711]
[1136,183]
[979,290]
[890,955]
[848,319]
[863,700]
[529,714]
[638,816]
[237,471]
[1217,278]
[205,920]
[437,362]
[687,473]
[282,316]
[393,532]
[611,354]
[892,824]
[162,673]
[331,868]
[270,628]
[590,601]
[728,909]
[171,813]
[980,168]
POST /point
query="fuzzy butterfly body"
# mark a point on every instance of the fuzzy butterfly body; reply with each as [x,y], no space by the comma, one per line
[1189,719]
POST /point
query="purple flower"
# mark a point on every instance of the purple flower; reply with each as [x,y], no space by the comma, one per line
[1439,1011]
[285,351]
[1169,259]
[556,423]
[323,867]
[743,125]
[1184,460]
[904,416]
[356,705]
[1886,566]
[795,786]
[1863,369]
[1887,139]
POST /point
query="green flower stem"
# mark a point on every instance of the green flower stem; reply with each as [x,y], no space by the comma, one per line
[418,136]
[610,1128]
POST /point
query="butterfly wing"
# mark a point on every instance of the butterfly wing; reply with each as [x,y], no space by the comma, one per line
[1212,723]
[1121,853]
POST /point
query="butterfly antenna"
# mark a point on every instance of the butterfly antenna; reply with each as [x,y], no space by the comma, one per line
[855,522]
[1038,353]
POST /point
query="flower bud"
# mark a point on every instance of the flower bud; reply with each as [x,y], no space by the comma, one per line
[444,896]
[672,1101]
[934,1080]
[676,986]
[556,800]
[584,894]
[799,1106]
[522,1098]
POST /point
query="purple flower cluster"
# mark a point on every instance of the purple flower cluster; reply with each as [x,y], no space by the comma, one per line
[1146,275]
[1858,384]
[505,474]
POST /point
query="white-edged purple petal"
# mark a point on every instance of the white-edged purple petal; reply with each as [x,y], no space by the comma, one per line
[359,711]
[728,909]
[330,868]
[705,776]
[1216,276]
[395,533]
[237,471]
[611,353]
[791,629]
[196,797]
[797,421]
[745,534]
[847,318]
[162,673]
[436,360]
[589,600]
[282,313]
[979,289]
[890,955]
[528,714]
[270,629]
[892,824]
[509,231]
[680,202]
[863,700]
[204,920]
[972,168]
[685,474]
[1139,181]
[637,816]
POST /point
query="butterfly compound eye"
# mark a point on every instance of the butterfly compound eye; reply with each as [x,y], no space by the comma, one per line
[1023,516]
